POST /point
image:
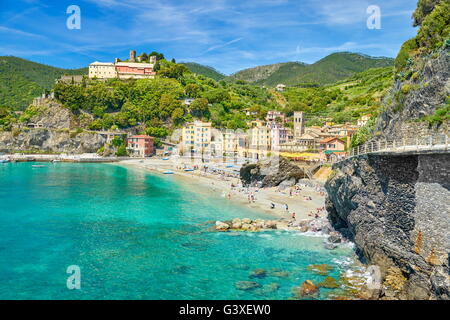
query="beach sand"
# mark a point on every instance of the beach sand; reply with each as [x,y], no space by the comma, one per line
[222,186]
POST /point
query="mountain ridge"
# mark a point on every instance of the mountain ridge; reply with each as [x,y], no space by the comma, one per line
[332,68]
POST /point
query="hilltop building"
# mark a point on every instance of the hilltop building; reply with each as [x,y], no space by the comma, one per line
[123,70]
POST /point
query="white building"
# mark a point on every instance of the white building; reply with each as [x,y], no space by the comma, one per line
[102,70]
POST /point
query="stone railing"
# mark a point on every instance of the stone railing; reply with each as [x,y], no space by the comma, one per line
[439,142]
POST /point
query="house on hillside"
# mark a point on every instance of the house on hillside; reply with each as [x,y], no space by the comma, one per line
[363,120]
[280,87]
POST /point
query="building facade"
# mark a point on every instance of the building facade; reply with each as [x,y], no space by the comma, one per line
[123,70]
[196,137]
[299,124]
[140,146]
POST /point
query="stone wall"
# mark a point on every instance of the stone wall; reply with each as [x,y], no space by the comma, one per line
[397,210]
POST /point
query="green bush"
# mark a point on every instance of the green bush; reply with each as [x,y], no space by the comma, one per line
[122,151]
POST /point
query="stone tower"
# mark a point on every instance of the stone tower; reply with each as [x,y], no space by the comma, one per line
[299,124]
[132,55]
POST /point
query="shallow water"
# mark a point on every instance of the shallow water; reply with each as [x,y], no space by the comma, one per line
[137,235]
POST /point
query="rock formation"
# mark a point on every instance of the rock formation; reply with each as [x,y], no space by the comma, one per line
[271,173]
[397,211]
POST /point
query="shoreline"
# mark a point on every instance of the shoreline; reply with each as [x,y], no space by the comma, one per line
[304,209]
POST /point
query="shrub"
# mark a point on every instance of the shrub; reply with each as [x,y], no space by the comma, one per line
[122,151]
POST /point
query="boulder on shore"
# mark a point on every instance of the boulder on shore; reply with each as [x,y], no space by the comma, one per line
[221,226]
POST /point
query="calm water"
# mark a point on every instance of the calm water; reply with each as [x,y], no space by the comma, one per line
[136,236]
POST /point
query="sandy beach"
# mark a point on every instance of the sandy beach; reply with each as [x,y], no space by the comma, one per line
[304,202]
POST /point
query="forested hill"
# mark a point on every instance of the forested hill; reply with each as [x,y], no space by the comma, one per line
[22,80]
[206,71]
[335,67]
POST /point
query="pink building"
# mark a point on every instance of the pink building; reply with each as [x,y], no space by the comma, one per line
[140,146]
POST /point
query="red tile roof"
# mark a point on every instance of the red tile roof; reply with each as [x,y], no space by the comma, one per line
[140,137]
[327,140]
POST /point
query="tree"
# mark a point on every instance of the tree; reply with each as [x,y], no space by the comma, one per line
[192,90]
[199,108]
[144,57]
[177,116]
[122,151]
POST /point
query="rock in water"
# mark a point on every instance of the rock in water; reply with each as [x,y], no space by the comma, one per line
[329,283]
[258,273]
[321,269]
[246,285]
[221,226]
[307,288]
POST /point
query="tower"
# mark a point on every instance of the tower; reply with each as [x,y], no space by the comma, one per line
[132,55]
[299,124]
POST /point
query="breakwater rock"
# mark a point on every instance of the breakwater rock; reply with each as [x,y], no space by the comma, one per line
[397,211]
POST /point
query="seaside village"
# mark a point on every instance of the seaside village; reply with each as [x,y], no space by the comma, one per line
[275,135]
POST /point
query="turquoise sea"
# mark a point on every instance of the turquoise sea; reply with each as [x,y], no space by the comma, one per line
[137,235]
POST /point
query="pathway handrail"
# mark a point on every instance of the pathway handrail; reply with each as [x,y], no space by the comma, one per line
[402,145]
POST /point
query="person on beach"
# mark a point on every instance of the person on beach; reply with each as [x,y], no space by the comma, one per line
[272,205]
[286,207]
[293,215]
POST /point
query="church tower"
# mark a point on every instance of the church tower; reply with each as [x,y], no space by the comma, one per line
[299,124]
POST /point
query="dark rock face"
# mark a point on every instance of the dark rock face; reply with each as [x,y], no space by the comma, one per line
[271,173]
[429,90]
[397,211]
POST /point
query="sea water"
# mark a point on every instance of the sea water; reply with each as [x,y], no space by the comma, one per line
[137,235]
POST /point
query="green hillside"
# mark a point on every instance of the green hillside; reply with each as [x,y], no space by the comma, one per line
[206,71]
[22,80]
[330,69]
[343,101]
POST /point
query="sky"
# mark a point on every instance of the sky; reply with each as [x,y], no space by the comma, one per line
[229,35]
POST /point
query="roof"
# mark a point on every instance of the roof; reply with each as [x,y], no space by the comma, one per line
[142,136]
[331,139]
[135,64]
[96,63]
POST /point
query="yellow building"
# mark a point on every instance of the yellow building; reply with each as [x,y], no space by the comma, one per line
[197,136]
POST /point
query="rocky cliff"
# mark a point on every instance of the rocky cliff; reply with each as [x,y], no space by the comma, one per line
[51,140]
[396,208]
[397,211]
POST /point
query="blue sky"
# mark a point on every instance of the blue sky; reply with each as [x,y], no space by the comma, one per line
[228,35]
